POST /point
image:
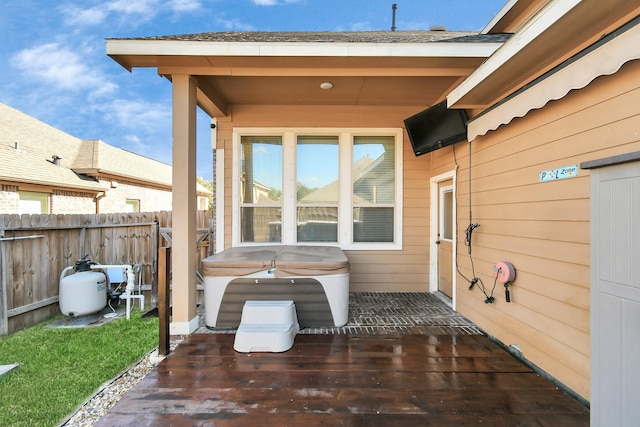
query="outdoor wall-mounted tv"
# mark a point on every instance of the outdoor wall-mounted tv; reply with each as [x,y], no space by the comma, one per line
[436,127]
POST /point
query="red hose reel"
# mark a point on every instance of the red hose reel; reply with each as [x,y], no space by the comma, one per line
[505,273]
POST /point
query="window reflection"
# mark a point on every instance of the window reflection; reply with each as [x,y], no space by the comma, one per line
[373,170]
[261,189]
[317,188]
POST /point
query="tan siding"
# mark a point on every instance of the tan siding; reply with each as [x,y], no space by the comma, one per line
[568,252]
[562,231]
[443,160]
[543,228]
[569,210]
[571,369]
[405,270]
[418,241]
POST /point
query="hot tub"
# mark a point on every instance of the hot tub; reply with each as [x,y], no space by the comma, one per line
[315,278]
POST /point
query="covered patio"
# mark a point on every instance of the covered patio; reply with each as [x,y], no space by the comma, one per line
[403,359]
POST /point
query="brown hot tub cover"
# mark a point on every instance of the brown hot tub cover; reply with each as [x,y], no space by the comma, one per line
[287,260]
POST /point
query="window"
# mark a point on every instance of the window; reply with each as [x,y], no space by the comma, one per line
[318,186]
[446,213]
[33,203]
[373,174]
[132,205]
[261,189]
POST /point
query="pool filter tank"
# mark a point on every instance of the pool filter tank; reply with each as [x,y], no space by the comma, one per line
[82,291]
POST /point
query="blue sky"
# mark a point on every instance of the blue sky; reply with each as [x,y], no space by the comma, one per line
[53,64]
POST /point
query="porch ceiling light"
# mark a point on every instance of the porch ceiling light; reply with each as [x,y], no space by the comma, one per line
[326,85]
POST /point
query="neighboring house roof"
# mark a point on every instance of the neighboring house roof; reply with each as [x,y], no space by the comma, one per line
[98,157]
[28,165]
[329,193]
[28,146]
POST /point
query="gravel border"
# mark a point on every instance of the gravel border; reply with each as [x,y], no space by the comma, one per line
[90,412]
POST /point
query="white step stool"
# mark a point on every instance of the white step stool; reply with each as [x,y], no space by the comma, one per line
[268,326]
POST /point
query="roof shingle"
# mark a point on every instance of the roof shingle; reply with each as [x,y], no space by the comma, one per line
[27,146]
[335,37]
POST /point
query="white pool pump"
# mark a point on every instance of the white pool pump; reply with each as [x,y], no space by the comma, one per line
[82,290]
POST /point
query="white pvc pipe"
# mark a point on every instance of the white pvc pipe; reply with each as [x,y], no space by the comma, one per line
[130,284]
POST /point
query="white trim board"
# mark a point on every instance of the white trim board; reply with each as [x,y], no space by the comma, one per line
[606,59]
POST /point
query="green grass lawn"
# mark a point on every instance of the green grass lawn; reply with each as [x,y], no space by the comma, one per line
[61,368]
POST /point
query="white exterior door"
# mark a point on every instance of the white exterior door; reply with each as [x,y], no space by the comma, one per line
[615,295]
[443,245]
[446,223]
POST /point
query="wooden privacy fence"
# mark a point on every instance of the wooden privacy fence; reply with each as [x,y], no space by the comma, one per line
[34,249]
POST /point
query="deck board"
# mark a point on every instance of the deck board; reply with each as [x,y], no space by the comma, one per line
[383,380]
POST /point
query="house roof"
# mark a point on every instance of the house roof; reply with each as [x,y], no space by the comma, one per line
[605,57]
[28,166]
[407,68]
[98,157]
[329,193]
[513,15]
[558,30]
[335,37]
[27,147]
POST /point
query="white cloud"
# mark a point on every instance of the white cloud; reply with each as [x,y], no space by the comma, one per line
[273,2]
[134,144]
[76,16]
[234,25]
[184,5]
[133,114]
[360,26]
[134,7]
[142,127]
[135,141]
[140,10]
[61,68]
[105,89]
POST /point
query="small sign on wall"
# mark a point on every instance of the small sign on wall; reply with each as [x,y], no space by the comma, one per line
[559,173]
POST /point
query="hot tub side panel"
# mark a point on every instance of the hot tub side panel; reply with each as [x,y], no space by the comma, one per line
[320,302]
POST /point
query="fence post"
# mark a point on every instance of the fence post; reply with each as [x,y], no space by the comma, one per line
[155,232]
[212,237]
[4,318]
[164,261]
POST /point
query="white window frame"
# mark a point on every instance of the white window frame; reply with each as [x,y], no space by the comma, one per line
[132,205]
[345,204]
[28,199]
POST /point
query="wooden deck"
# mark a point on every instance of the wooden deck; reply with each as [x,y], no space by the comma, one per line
[346,380]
